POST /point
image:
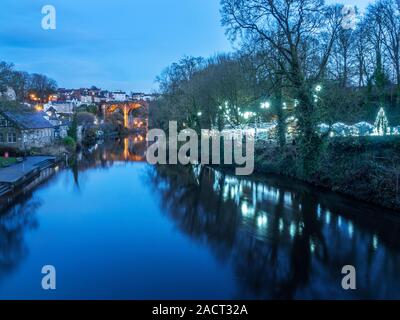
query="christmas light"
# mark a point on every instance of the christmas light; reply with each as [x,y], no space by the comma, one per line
[381,123]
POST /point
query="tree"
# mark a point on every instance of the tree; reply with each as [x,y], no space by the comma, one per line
[85,119]
[361,47]
[179,101]
[115,121]
[302,32]
[72,132]
[42,86]
[20,82]
[6,70]
[376,35]
[390,11]
[381,122]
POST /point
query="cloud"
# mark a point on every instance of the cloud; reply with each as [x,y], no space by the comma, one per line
[109,43]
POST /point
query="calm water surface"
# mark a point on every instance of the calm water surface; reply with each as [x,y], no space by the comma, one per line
[115,227]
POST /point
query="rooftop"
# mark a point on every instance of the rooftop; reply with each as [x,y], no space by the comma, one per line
[28,119]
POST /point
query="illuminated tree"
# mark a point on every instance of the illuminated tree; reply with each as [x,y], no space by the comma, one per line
[381,122]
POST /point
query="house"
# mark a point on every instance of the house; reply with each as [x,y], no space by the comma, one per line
[62,110]
[8,94]
[86,99]
[119,96]
[61,125]
[61,129]
[25,129]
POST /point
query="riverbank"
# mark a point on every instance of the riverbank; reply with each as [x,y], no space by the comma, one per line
[17,175]
[366,169]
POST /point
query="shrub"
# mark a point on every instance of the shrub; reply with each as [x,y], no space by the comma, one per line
[69,141]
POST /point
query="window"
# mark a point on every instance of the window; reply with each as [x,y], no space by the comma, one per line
[3,122]
[11,137]
[1,138]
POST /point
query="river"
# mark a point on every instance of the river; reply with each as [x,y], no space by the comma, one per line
[115,227]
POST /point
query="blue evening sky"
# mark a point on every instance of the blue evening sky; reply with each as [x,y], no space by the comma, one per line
[113,44]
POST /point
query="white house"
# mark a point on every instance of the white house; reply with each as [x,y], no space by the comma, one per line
[9,94]
[86,99]
[119,96]
[60,108]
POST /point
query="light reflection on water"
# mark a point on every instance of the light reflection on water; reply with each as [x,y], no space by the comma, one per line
[294,238]
[190,232]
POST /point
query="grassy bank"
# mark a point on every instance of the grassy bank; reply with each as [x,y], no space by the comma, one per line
[366,168]
[5,162]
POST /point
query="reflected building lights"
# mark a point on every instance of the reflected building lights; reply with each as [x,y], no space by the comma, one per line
[300,228]
[226,192]
[292,230]
[247,210]
[271,194]
[319,212]
[312,246]
[350,229]
[249,197]
[375,241]
[262,221]
[280,225]
[216,185]
[232,192]
[328,217]
[288,198]
[260,191]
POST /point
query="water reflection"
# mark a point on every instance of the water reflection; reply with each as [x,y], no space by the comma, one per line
[17,216]
[13,225]
[258,237]
[284,240]
[106,153]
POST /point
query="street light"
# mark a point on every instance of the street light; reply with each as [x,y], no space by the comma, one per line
[247,115]
[265,105]
[199,114]
[318,88]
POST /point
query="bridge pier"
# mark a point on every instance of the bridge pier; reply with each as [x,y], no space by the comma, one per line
[125,108]
[126,117]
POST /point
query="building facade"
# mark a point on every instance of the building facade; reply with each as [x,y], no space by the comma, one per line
[25,130]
